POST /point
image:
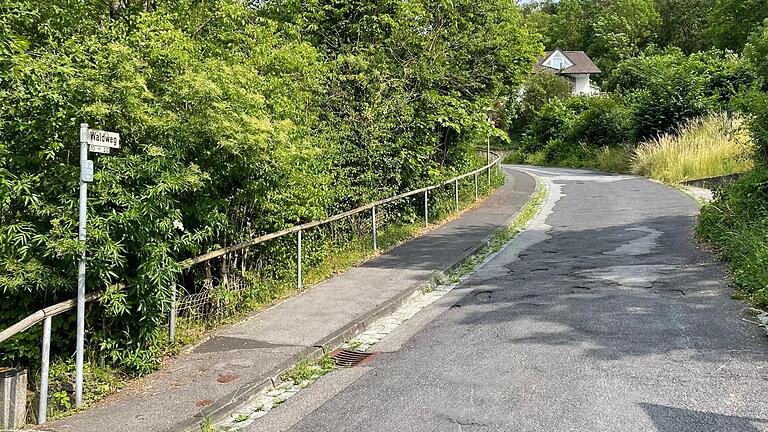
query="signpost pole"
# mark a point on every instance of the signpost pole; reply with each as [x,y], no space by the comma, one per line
[96,141]
[81,268]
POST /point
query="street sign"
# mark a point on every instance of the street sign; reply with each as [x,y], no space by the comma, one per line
[103,138]
[86,171]
[93,148]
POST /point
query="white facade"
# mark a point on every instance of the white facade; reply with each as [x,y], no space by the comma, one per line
[578,75]
[582,84]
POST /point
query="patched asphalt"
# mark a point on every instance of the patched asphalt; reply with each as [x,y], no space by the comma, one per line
[604,316]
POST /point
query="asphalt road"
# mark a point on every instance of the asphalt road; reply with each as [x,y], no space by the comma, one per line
[604,316]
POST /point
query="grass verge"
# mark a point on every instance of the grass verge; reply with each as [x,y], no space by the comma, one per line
[711,146]
[736,222]
[707,147]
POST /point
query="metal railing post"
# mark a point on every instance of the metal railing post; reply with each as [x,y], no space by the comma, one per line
[42,407]
[456,189]
[373,219]
[476,195]
[298,260]
[426,208]
[172,316]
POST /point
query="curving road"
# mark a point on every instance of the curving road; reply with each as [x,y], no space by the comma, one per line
[603,316]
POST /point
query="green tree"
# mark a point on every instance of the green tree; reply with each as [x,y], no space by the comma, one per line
[756,52]
[622,30]
[539,90]
[684,24]
[732,21]
[235,120]
[608,31]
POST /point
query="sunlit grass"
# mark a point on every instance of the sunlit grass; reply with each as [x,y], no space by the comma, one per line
[707,147]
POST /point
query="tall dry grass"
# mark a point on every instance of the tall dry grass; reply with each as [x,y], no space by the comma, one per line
[711,146]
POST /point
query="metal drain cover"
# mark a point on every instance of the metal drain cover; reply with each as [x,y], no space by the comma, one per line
[346,358]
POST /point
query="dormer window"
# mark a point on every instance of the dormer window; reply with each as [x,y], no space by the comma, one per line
[558,61]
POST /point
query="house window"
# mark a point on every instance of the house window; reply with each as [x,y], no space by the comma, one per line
[557,62]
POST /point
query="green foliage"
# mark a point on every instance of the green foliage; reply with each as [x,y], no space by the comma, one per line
[664,104]
[684,24]
[235,120]
[614,30]
[102,381]
[732,21]
[200,140]
[668,88]
[602,121]
[540,89]
[607,31]
[737,222]
[551,123]
[756,52]
[716,74]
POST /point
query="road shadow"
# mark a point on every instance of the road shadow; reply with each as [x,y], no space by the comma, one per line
[617,305]
[671,419]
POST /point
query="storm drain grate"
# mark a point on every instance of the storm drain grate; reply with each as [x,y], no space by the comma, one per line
[346,358]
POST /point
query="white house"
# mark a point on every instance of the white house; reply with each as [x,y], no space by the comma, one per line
[575,66]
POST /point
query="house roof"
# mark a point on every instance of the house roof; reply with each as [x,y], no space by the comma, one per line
[582,64]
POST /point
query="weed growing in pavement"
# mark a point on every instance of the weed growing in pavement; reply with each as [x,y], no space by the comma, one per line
[206,425]
[501,238]
[308,370]
[354,344]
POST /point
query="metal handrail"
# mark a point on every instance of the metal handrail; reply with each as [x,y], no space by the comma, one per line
[45,316]
[298,229]
[271,236]
[47,313]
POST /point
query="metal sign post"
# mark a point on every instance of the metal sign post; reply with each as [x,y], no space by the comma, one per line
[98,142]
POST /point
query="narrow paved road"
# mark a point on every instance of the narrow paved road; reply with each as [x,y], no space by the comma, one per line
[604,316]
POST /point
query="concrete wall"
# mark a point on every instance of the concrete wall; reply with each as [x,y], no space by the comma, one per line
[13,398]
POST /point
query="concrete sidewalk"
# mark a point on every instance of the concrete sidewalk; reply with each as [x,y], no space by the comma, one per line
[187,389]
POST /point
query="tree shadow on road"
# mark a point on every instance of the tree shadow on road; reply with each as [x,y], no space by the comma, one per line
[572,289]
[670,419]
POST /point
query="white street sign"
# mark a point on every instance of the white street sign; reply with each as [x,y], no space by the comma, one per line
[98,149]
[103,138]
[86,171]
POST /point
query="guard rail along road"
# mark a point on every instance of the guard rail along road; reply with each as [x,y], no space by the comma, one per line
[49,312]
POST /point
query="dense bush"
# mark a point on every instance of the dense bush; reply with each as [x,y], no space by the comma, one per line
[235,121]
[668,88]
[737,222]
[551,122]
[651,95]
[601,121]
[539,90]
